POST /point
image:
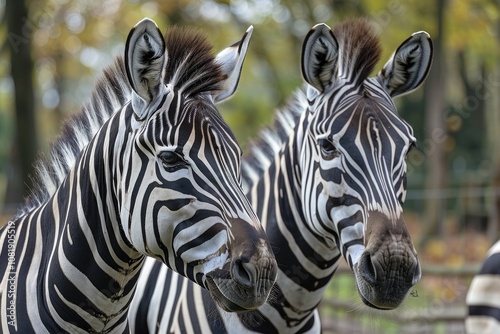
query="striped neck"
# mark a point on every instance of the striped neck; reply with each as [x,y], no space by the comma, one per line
[87,269]
[307,260]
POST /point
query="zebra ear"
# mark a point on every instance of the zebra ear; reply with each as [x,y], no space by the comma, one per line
[319,56]
[231,61]
[408,66]
[144,62]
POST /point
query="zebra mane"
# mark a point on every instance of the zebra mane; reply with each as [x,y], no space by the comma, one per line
[191,65]
[261,152]
[359,48]
[111,92]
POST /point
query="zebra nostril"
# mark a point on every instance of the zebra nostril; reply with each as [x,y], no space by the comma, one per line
[367,269]
[417,273]
[244,273]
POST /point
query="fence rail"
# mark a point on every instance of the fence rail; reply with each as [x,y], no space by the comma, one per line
[344,317]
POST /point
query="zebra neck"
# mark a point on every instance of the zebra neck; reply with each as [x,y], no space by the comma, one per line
[91,272]
[306,260]
[95,254]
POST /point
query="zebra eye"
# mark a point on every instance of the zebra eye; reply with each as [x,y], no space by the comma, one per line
[171,160]
[328,150]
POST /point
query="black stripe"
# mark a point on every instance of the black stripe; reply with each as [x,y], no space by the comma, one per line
[485,311]
[142,310]
[491,265]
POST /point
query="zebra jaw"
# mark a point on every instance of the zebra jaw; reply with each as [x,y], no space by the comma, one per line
[219,297]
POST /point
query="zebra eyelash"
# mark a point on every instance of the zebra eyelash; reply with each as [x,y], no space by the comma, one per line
[328,149]
[172,160]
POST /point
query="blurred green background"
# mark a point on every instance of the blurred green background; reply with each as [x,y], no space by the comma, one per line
[52,51]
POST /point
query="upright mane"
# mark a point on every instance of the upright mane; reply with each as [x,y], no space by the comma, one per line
[191,65]
[270,140]
[359,49]
[111,92]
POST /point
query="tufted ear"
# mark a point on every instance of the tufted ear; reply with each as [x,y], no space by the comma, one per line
[408,66]
[231,61]
[144,62]
[319,57]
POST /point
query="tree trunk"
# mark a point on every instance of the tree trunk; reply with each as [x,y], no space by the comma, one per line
[493,144]
[494,140]
[435,133]
[20,30]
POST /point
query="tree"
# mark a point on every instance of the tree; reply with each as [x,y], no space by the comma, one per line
[435,134]
[25,144]
[494,137]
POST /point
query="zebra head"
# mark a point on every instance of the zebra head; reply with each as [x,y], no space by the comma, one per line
[353,157]
[181,196]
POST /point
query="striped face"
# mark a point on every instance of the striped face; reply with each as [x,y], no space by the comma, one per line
[353,158]
[358,147]
[180,190]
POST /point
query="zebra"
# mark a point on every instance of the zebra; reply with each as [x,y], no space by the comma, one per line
[147,168]
[483,303]
[327,180]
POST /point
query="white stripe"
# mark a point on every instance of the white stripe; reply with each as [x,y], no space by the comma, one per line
[482,325]
[484,290]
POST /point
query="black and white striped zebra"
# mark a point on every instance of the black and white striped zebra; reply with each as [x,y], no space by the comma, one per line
[147,168]
[483,296]
[328,180]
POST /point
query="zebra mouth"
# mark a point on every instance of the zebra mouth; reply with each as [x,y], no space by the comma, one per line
[375,294]
[220,298]
[367,303]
